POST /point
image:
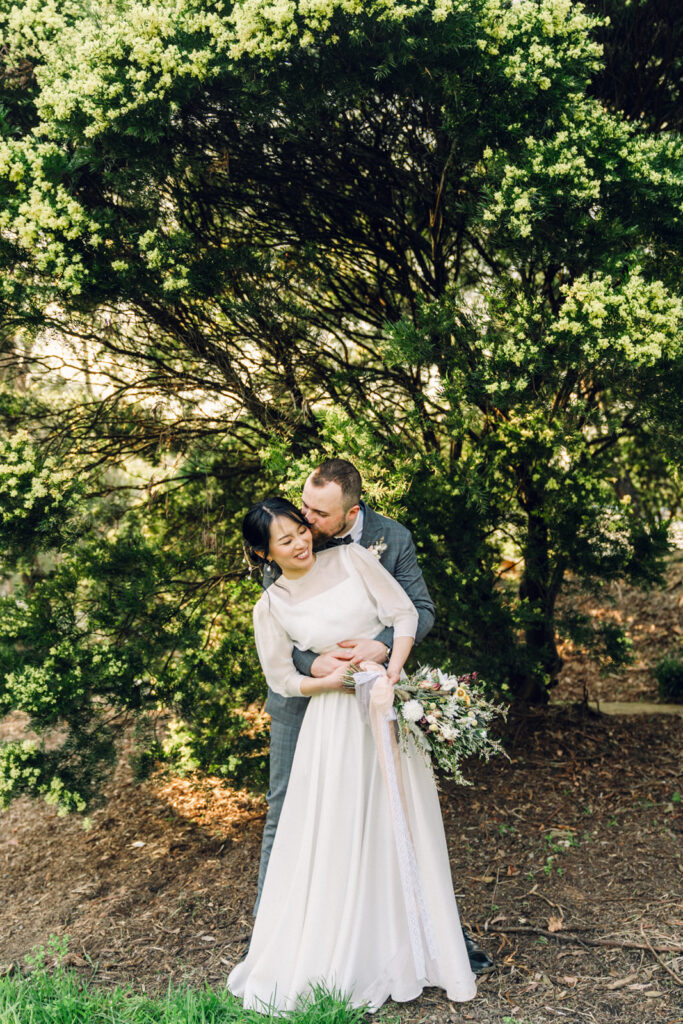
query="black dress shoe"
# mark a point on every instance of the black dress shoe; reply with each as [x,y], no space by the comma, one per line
[480,962]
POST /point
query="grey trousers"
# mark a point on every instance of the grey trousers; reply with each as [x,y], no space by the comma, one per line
[284,732]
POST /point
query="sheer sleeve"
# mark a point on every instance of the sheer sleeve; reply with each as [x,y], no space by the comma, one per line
[274,649]
[394,607]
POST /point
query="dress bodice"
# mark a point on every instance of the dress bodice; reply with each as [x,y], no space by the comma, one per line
[345,595]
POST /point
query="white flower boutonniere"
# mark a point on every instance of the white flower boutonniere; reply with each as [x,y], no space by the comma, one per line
[378,548]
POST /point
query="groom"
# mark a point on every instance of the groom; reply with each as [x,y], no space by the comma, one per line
[331,503]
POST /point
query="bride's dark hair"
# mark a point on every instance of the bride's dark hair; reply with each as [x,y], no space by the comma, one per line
[256,525]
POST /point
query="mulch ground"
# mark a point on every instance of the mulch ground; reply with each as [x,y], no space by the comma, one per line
[653,622]
[567,862]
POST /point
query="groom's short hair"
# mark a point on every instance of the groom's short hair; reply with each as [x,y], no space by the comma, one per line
[341,472]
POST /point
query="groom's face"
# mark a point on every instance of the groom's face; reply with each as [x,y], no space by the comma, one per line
[323,509]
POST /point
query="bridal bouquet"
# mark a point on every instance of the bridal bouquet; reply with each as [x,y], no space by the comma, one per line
[446,715]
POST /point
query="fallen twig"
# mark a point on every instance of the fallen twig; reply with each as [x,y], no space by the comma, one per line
[540,896]
[563,936]
[658,958]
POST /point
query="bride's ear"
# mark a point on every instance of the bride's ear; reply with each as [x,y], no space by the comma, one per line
[267,563]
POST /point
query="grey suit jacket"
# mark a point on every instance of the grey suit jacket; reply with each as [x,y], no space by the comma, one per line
[398,557]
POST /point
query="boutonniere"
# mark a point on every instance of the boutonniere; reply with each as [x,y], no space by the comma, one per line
[378,548]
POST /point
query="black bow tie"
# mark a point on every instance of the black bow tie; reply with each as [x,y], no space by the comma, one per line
[334,542]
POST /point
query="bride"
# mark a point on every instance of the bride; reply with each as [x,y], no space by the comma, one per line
[332,911]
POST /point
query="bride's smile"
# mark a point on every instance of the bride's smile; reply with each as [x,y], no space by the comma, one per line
[291,546]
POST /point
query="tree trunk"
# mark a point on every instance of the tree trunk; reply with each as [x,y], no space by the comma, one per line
[542,656]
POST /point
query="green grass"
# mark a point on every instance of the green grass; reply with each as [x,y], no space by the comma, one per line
[60,997]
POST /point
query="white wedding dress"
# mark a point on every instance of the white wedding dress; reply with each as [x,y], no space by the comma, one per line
[332,911]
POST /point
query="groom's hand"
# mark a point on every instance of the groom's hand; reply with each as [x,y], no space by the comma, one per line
[363,649]
[354,651]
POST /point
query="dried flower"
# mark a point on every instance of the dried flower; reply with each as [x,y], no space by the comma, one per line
[413,711]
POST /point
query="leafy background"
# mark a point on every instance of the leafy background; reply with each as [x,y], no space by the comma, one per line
[439,238]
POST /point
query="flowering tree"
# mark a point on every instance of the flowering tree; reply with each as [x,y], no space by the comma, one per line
[405,232]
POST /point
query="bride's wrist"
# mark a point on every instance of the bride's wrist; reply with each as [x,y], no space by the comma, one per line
[316,685]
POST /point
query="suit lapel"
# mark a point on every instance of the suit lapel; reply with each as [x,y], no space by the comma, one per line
[372,525]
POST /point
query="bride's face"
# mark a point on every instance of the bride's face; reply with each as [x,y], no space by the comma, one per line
[290,546]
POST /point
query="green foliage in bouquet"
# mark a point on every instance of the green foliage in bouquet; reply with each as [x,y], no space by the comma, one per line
[447,717]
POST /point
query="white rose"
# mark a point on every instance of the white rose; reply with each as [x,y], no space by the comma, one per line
[413,711]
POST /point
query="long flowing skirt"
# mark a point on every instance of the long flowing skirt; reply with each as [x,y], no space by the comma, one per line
[332,911]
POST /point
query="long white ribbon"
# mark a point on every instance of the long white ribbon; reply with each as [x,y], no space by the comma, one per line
[375,706]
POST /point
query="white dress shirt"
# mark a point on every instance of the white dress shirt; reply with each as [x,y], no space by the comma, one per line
[356,531]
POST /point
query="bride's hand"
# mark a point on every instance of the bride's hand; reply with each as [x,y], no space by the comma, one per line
[312,685]
[325,664]
[393,675]
[334,678]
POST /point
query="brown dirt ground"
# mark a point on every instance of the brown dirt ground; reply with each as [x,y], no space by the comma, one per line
[567,862]
[652,619]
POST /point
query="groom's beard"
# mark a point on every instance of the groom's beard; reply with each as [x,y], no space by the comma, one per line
[320,537]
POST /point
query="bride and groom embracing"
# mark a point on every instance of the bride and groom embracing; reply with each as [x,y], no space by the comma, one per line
[342,586]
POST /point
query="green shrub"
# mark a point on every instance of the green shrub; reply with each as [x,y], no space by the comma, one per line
[669,676]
